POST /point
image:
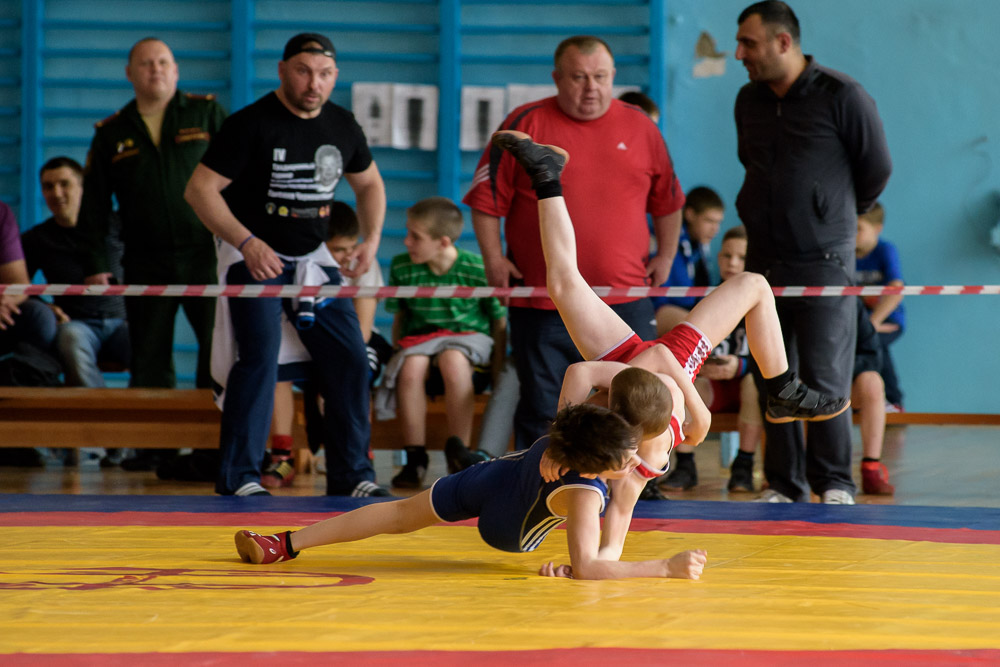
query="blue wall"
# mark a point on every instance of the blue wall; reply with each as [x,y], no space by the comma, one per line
[931,66]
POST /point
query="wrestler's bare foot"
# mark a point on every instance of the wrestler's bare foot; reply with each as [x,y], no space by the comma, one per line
[544,163]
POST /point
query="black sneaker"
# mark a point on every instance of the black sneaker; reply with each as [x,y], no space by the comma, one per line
[459,457]
[412,474]
[797,401]
[148,459]
[741,475]
[21,457]
[543,163]
[652,492]
[684,476]
[251,489]
[366,489]
[112,458]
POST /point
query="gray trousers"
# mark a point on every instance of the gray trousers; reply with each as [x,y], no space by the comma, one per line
[819,334]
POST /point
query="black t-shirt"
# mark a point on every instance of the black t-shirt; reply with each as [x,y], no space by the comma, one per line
[60,254]
[284,169]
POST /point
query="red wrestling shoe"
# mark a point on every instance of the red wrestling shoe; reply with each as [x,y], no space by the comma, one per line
[875,479]
[264,549]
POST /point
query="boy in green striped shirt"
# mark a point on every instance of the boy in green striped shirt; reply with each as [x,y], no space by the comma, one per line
[438,341]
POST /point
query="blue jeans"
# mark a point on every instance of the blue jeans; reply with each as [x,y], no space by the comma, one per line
[80,343]
[36,324]
[893,393]
[341,374]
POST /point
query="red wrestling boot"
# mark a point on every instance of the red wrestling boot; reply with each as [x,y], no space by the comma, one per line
[875,479]
[263,549]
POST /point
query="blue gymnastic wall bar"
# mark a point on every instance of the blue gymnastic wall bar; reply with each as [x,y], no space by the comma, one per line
[62,70]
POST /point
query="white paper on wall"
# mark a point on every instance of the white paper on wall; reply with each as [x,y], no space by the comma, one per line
[414,116]
[616,91]
[372,107]
[519,93]
[482,113]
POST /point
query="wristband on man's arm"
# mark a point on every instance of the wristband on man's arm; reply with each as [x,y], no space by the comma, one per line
[244,242]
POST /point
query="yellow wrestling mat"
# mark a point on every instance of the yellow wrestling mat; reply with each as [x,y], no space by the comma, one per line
[184,589]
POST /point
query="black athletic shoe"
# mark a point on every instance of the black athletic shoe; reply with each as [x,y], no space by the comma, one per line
[141,462]
[652,492]
[797,401]
[366,489]
[543,163]
[459,457]
[412,474]
[684,476]
[741,475]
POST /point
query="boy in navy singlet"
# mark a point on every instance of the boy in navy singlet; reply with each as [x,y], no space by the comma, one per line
[516,508]
[610,345]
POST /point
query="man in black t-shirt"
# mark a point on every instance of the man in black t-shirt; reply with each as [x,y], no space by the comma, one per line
[264,188]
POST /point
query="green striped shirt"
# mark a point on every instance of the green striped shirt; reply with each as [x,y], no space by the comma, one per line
[458,315]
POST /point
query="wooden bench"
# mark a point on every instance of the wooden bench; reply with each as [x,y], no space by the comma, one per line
[154,418]
[178,418]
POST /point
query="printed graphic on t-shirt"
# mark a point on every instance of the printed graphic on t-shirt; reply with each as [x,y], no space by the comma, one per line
[736,344]
[305,181]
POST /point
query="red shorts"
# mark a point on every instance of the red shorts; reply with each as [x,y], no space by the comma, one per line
[689,346]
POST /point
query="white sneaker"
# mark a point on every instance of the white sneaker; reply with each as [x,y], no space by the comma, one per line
[772,496]
[837,497]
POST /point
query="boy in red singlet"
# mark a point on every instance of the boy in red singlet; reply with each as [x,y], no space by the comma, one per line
[610,346]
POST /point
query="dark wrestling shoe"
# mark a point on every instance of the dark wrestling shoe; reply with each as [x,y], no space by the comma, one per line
[280,473]
[652,492]
[741,475]
[412,474]
[543,163]
[684,476]
[112,458]
[459,457]
[263,549]
[141,462]
[797,401]
[875,479]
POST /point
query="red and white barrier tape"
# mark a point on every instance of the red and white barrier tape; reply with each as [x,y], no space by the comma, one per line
[290,291]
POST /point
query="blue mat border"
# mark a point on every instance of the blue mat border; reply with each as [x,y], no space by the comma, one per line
[972,518]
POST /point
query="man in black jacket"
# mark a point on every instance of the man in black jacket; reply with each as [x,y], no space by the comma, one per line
[815,155]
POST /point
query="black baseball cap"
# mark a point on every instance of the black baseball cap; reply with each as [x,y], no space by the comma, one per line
[306,43]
